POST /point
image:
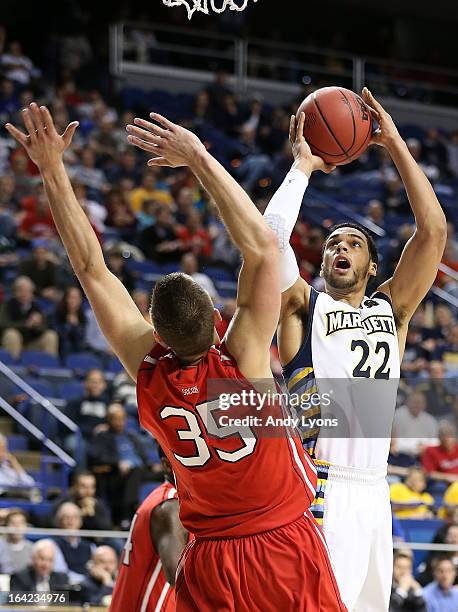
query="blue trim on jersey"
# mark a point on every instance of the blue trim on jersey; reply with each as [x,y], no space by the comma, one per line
[303,357]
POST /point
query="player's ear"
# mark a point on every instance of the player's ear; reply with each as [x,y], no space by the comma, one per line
[372,269]
[159,339]
[217,316]
[321,270]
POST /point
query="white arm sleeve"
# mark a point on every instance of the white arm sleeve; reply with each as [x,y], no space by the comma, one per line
[281,215]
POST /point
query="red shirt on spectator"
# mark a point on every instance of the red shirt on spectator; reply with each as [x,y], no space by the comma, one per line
[198,242]
[436,459]
[37,225]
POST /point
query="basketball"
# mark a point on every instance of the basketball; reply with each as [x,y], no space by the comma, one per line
[338,124]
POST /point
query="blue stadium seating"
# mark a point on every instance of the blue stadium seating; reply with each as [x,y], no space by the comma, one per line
[17,442]
[147,488]
[420,530]
[38,359]
[71,390]
[81,363]
[6,358]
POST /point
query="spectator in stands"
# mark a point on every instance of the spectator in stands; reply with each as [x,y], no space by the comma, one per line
[443,321]
[120,214]
[150,190]
[70,322]
[23,323]
[185,204]
[88,174]
[142,300]
[395,201]
[94,512]
[102,140]
[439,394]
[440,596]
[452,150]
[398,462]
[8,198]
[376,213]
[430,169]
[16,66]
[160,242]
[88,411]
[190,265]
[409,499]
[219,89]
[194,237]
[37,221]
[96,213]
[41,269]
[72,552]
[451,499]
[127,166]
[14,480]
[416,354]
[121,464]
[415,428]
[406,593]
[426,568]
[441,462]
[40,575]
[23,175]
[447,356]
[15,549]
[117,265]
[97,587]
[94,339]
[201,112]
[147,215]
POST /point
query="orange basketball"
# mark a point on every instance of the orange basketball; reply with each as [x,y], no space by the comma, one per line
[338,124]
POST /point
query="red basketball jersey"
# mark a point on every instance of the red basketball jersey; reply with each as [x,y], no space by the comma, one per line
[231,482]
[141,585]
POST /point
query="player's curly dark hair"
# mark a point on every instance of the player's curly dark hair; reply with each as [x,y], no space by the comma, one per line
[373,253]
[182,315]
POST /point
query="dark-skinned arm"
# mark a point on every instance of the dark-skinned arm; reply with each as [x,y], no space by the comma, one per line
[168,536]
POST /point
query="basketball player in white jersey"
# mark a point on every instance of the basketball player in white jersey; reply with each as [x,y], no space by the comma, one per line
[348,348]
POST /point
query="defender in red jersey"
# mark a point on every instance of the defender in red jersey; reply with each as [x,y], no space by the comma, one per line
[148,564]
[246,496]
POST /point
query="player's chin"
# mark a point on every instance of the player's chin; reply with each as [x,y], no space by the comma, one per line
[340,280]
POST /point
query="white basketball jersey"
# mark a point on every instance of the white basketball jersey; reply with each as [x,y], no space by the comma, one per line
[350,361]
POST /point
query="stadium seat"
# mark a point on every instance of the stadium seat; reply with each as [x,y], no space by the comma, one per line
[421,531]
[217,273]
[17,442]
[115,366]
[6,358]
[81,363]
[38,359]
[42,387]
[71,390]
[146,489]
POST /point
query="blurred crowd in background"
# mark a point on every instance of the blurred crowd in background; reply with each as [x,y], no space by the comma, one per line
[151,221]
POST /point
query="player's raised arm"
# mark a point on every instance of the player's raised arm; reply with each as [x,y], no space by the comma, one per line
[418,264]
[281,214]
[258,299]
[128,333]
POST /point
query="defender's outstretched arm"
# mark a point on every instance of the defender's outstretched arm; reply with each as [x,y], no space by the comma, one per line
[258,299]
[121,322]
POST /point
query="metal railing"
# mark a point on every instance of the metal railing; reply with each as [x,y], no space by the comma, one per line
[252,64]
[46,532]
[41,431]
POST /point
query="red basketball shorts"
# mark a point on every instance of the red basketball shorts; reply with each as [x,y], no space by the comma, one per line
[286,569]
